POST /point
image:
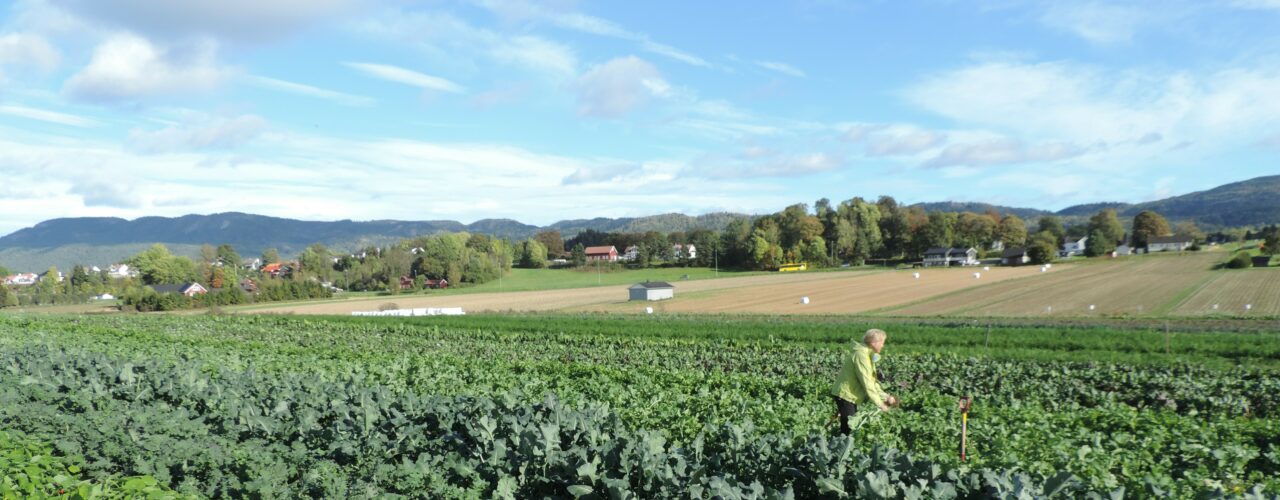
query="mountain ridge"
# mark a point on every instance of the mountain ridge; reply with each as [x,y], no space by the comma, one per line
[103,240]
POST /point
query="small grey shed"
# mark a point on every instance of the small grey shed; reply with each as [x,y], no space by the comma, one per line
[652,290]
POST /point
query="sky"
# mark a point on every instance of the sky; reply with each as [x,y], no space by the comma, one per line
[543,111]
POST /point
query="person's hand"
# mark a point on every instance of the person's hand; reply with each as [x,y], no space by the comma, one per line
[892,401]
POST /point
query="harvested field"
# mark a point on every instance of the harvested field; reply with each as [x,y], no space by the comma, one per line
[1231,290]
[856,295]
[592,298]
[830,292]
[1140,285]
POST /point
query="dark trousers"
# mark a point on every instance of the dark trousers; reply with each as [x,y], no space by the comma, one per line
[845,410]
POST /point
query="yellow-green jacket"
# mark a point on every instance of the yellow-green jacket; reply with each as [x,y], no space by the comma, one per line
[857,380]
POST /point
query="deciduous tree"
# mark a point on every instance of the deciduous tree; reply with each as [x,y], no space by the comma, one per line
[1146,225]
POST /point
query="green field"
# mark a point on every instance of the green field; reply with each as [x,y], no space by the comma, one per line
[578,405]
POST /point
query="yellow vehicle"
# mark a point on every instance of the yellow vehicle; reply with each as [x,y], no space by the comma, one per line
[793,267]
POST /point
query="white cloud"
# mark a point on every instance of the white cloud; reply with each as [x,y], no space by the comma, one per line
[213,133]
[127,67]
[783,68]
[28,49]
[408,77]
[1096,22]
[47,116]
[619,86]
[227,20]
[98,192]
[1082,104]
[536,53]
[1002,151]
[310,91]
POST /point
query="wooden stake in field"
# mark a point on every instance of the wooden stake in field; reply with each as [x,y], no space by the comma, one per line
[964,427]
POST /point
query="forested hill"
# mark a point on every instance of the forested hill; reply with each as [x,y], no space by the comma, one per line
[104,240]
[101,241]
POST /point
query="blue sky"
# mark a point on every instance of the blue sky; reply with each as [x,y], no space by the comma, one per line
[364,109]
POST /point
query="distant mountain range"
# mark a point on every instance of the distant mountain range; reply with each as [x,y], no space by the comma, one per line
[104,240]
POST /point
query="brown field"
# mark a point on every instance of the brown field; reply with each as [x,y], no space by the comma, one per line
[1138,285]
[856,294]
[1231,290]
[829,292]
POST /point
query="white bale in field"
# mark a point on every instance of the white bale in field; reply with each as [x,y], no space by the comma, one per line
[915,275]
[986,268]
[1048,309]
[1248,307]
[1047,266]
[977,275]
[648,310]
[804,300]
[1215,307]
[1043,269]
[1090,307]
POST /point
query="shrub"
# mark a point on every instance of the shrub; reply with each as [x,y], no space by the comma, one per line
[1240,260]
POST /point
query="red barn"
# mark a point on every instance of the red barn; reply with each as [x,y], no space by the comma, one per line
[607,254]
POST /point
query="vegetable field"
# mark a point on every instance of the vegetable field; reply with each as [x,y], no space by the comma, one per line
[597,406]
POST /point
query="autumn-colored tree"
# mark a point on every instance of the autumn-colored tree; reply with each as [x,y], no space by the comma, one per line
[1146,225]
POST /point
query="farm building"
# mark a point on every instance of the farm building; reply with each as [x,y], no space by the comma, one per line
[188,289]
[652,290]
[951,257]
[1168,243]
[1015,256]
[605,253]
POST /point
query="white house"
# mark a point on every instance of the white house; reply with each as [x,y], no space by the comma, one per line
[1168,243]
[1072,248]
[632,253]
[121,271]
[45,275]
[252,264]
[944,257]
[685,251]
[188,289]
[652,290]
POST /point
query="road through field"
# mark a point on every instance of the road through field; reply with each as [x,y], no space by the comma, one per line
[829,292]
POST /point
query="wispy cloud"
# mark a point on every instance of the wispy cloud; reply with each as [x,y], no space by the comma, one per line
[207,134]
[407,77]
[783,68]
[1001,152]
[309,91]
[47,116]
[584,23]
[1098,23]
[28,49]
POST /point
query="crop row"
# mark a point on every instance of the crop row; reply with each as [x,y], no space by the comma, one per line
[246,434]
[1167,427]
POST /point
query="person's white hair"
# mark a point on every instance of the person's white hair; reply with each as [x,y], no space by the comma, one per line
[873,335]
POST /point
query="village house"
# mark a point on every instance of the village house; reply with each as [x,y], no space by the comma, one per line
[251,264]
[946,257]
[1168,243]
[1015,256]
[602,253]
[651,290]
[630,254]
[1073,247]
[21,279]
[188,289]
[121,271]
[684,251]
